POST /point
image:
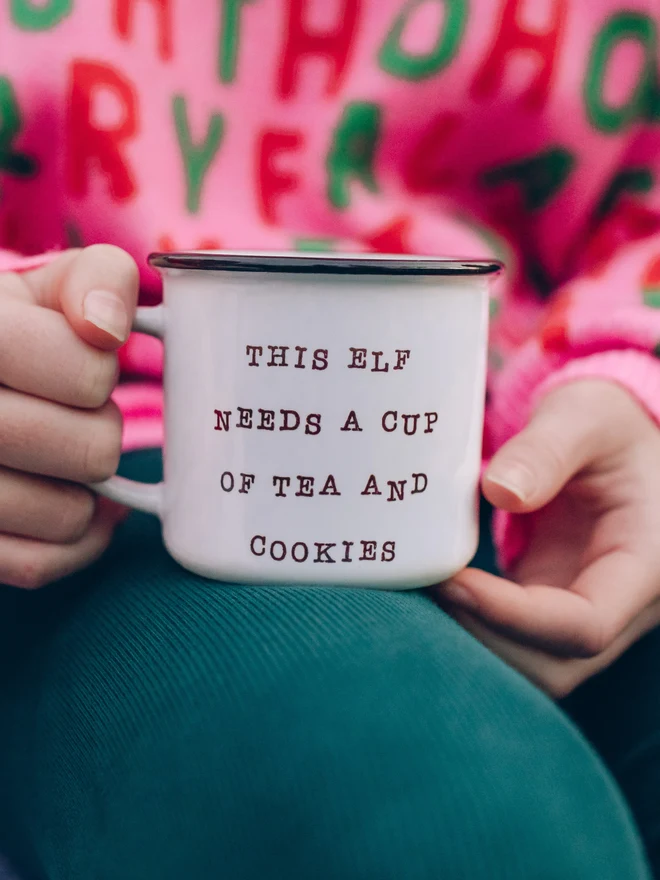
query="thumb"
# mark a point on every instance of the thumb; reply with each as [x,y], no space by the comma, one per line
[95,288]
[559,441]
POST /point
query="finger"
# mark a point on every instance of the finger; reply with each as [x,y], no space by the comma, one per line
[578,622]
[558,676]
[96,289]
[546,671]
[619,586]
[562,437]
[545,617]
[43,509]
[46,438]
[40,354]
[32,564]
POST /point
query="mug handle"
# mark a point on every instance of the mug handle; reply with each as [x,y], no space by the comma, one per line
[147,497]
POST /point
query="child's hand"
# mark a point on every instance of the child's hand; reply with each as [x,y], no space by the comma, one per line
[589,584]
[59,327]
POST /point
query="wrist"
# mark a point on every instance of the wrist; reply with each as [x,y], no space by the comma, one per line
[613,412]
[634,374]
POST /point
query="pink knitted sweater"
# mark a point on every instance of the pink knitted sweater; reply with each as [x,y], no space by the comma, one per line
[516,128]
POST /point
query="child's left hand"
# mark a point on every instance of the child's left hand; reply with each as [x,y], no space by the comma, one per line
[588,585]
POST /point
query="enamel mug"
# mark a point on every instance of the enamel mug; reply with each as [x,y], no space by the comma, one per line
[323,416]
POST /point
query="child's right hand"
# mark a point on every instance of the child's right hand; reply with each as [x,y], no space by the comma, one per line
[60,325]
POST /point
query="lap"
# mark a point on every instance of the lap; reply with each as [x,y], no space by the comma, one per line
[155,724]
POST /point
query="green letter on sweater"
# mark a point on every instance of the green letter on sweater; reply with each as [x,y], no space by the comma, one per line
[642,103]
[396,60]
[30,16]
[353,151]
[197,158]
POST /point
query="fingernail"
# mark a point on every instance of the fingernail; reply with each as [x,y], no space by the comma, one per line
[107,312]
[458,594]
[515,479]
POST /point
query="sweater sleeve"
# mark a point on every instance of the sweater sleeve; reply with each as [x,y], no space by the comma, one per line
[11,261]
[602,324]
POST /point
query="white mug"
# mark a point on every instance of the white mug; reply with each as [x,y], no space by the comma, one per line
[323,416]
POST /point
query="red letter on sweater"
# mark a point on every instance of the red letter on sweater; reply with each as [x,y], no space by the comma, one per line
[124,24]
[334,45]
[272,182]
[423,170]
[513,39]
[167,244]
[90,146]
[393,238]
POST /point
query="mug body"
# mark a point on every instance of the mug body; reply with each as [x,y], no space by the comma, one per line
[323,428]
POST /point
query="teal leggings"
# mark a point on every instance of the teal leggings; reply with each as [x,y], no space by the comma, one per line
[155,726]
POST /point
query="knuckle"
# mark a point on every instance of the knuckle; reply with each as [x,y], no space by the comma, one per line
[102,446]
[115,259]
[97,379]
[13,284]
[540,453]
[75,513]
[551,456]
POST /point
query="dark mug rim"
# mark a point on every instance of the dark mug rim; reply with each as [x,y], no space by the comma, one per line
[324,263]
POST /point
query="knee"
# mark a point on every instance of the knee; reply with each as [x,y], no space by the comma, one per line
[324,734]
[393,748]
[417,769]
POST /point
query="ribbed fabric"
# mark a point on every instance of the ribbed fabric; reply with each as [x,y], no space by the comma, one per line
[636,371]
[155,725]
[10,261]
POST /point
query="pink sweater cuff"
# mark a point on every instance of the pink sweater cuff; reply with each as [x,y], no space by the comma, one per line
[10,261]
[636,371]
